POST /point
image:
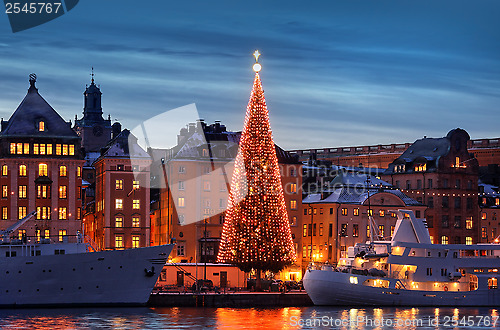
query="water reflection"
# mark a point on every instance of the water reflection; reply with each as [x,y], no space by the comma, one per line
[250,318]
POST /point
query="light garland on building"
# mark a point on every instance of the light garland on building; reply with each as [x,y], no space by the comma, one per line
[256,232]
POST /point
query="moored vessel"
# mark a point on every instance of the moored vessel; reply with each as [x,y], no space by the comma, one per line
[409,270]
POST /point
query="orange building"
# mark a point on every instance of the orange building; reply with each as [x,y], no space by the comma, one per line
[121,218]
[441,173]
[199,171]
[41,168]
[338,217]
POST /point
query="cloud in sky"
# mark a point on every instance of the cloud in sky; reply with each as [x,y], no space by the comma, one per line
[335,73]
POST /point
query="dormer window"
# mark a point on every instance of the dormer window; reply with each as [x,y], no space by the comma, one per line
[41,126]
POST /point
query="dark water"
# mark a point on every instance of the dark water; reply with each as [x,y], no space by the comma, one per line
[249,318]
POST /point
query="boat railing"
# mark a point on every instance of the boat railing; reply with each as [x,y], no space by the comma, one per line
[321,266]
[91,244]
[31,240]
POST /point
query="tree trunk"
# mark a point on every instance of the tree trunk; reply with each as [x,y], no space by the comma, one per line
[258,284]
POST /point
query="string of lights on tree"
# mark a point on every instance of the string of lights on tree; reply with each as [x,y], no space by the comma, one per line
[256,232]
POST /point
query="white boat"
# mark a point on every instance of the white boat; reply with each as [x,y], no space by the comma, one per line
[409,270]
[67,273]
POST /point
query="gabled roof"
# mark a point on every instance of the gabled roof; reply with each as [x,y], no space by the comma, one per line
[124,145]
[33,109]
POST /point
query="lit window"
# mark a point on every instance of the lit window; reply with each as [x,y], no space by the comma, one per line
[5,170]
[41,126]
[62,234]
[444,239]
[65,149]
[5,213]
[42,169]
[5,191]
[78,171]
[49,149]
[19,148]
[293,188]
[135,184]
[22,191]
[483,216]
[42,149]
[63,170]
[304,231]
[370,212]
[62,191]
[22,233]
[78,213]
[484,232]
[180,202]
[119,204]
[119,242]
[26,148]
[43,191]
[71,149]
[119,184]
[468,240]
[135,241]
[63,214]
[22,212]
[293,204]
[344,211]
[58,149]
[22,170]
[118,222]
[381,213]
[356,211]
[36,149]
[497,201]
[136,204]
[42,212]
[12,148]
[468,223]
[381,230]
[136,222]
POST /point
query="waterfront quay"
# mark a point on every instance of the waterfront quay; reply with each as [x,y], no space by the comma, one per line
[232,299]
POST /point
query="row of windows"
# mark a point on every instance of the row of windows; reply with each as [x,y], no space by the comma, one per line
[42,191]
[206,170]
[42,149]
[445,240]
[444,183]
[119,241]
[136,204]
[43,213]
[136,222]
[119,184]
[43,234]
[484,216]
[345,211]
[42,170]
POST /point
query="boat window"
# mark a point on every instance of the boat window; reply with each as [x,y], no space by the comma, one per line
[492,283]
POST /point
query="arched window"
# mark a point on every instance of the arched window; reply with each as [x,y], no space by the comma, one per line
[42,169]
[41,126]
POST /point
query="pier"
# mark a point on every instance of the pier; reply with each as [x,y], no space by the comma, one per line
[235,300]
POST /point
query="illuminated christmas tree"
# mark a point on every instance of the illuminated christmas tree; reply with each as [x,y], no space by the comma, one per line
[256,233]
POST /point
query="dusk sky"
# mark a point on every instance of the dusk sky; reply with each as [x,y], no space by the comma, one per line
[335,73]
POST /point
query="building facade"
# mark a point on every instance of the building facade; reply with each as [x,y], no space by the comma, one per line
[442,174]
[191,209]
[122,202]
[338,217]
[41,170]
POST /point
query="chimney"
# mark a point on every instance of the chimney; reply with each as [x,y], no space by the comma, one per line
[116,128]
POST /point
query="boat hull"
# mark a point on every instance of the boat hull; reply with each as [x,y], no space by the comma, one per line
[326,287]
[122,277]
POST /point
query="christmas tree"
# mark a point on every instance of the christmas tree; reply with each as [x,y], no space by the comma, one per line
[256,233]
